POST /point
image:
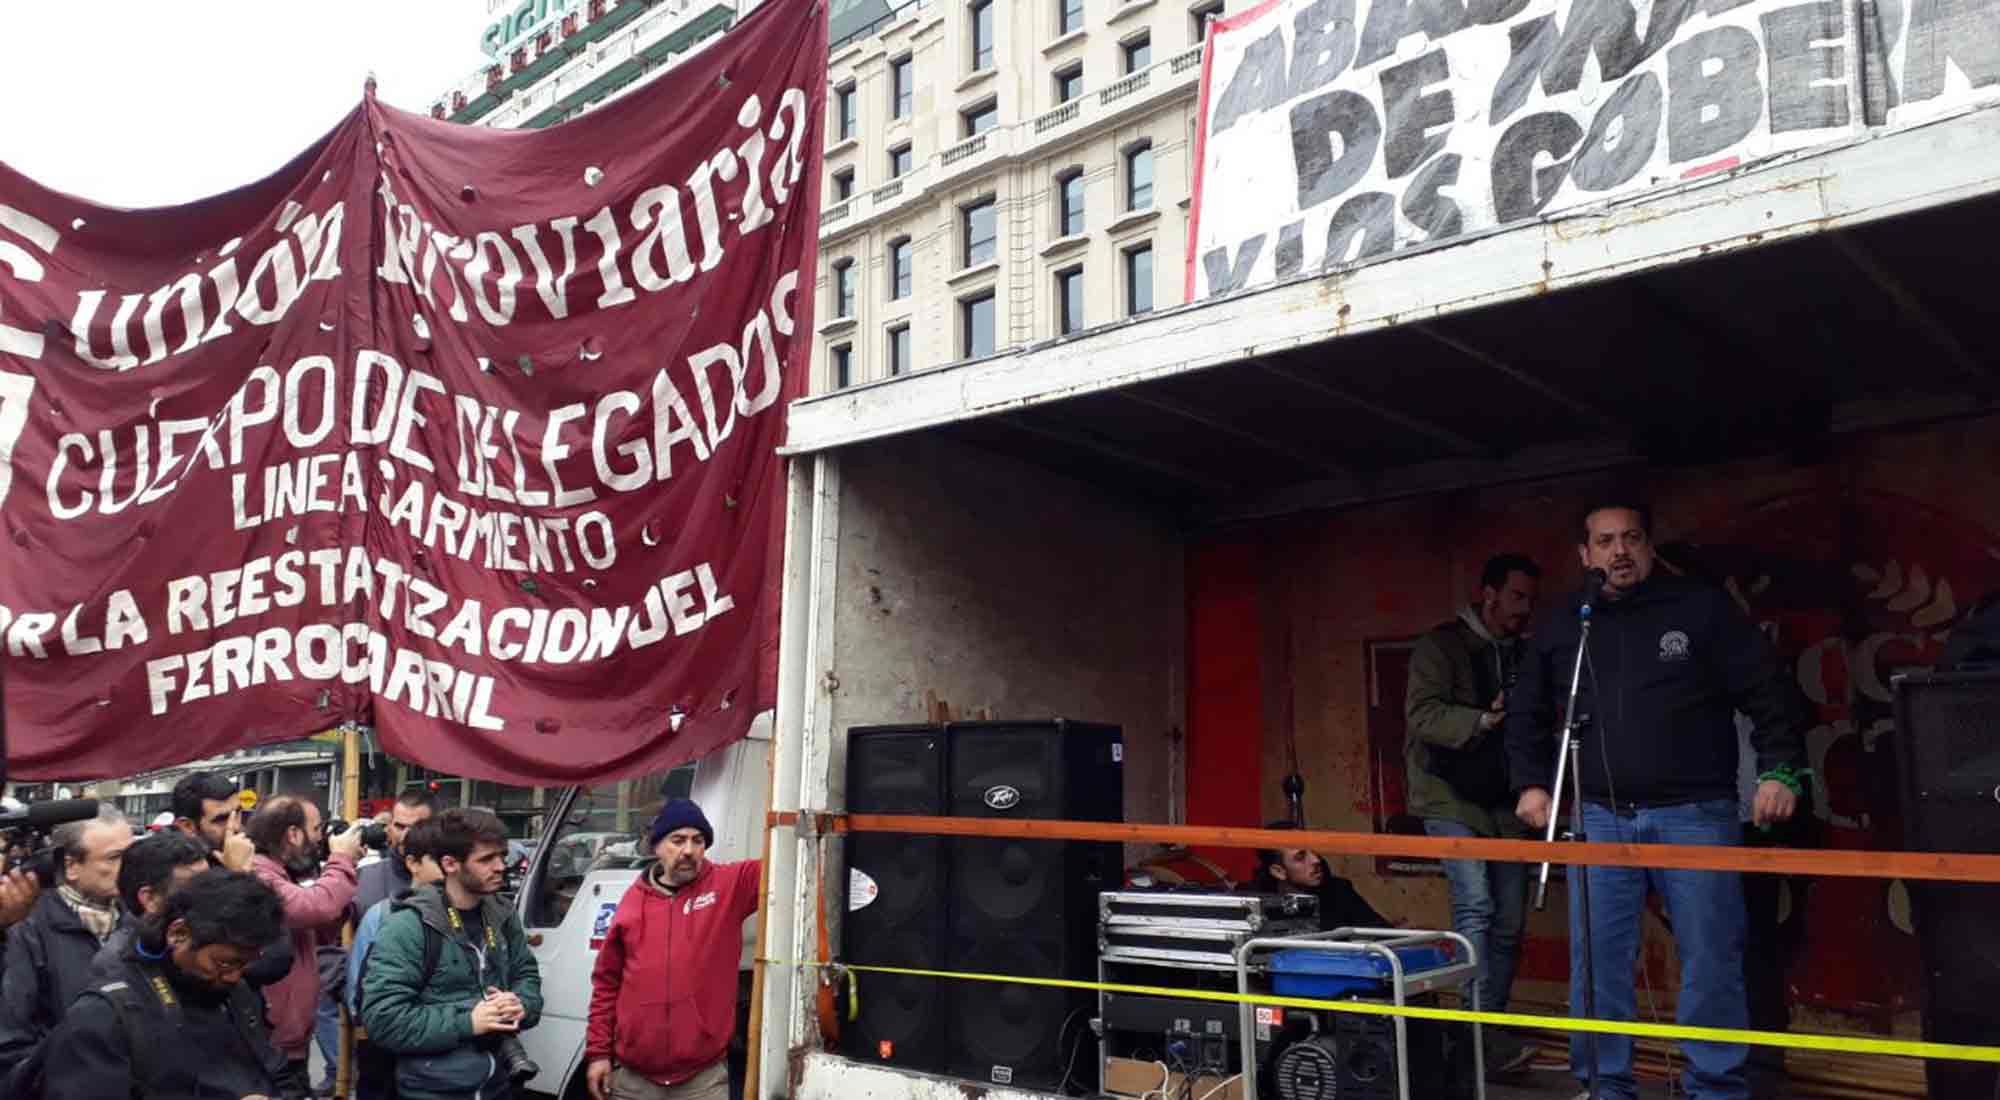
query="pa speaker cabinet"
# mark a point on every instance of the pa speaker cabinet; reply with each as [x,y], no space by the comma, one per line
[896,899]
[1948,749]
[1028,907]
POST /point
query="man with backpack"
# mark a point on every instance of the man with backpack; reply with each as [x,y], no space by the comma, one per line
[375,1076]
[173,1019]
[449,981]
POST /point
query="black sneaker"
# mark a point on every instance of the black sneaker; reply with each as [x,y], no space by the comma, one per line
[1509,1061]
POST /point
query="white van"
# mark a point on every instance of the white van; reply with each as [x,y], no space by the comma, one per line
[591,850]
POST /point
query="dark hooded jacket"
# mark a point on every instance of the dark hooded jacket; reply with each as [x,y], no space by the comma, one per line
[49,959]
[1668,667]
[145,1030]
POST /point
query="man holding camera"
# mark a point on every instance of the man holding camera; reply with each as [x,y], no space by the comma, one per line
[1457,760]
[18,891]
[49,954]
[286,832]
[449,980]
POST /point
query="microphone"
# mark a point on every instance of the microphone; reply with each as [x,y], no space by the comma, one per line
[47,815]
[1594,581]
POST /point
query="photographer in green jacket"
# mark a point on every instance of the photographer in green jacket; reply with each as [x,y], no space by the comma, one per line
[449,981]
[1458,781]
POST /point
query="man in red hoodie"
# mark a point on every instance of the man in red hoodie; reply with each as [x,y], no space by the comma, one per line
[663,993]
[286,833]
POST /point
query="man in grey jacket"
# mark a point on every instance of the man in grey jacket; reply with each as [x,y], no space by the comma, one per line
[1458,779]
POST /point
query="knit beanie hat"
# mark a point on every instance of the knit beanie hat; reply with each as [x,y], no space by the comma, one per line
[681,813]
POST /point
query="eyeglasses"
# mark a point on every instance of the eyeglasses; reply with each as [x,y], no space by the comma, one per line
[225,967]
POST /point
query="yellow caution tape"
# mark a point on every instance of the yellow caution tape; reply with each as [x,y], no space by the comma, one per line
[1902,1048]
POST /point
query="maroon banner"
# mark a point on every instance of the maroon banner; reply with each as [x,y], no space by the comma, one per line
[467,433]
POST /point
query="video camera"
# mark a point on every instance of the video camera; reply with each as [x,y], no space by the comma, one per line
[373,835]
[28,827]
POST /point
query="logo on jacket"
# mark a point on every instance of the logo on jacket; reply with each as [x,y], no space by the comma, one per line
[698,904]
[1002,797]
[1673,646]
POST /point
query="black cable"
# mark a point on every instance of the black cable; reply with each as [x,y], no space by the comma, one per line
[1069,1064]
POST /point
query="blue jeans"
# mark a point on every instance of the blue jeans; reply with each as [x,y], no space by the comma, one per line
[1489,906]
[1706,908]
[326,1033]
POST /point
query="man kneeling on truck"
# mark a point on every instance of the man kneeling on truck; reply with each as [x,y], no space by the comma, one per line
[449,979]
[663,993]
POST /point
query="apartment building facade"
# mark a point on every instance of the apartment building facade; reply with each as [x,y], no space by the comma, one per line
[1002,173]
[999,172]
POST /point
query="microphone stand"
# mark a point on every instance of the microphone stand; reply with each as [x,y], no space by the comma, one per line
[1568,766]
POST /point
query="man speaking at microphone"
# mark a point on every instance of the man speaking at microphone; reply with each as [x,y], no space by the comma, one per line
[1669,663]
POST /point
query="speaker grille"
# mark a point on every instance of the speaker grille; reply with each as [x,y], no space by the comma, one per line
[896,770]
[981,905]
[1948,746]
[1009,1034]
[898,882]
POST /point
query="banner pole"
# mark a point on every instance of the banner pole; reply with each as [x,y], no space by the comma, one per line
[350,809]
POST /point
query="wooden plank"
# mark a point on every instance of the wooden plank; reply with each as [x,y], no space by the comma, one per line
[1834,863]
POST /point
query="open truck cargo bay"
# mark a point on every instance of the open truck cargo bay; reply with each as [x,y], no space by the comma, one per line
[1215,526]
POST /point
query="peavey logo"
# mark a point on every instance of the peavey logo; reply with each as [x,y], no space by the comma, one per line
[1002,797]
[1673,646]
[698,904]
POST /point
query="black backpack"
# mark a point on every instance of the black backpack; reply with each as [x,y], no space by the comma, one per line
[138,1019]
[433,951]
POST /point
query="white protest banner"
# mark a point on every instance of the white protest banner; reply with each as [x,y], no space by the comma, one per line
[1340,131]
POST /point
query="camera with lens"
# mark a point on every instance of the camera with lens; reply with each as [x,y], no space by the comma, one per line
[512,1055]
[29,852]
[372,835]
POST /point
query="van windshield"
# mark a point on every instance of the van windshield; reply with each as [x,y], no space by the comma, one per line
[605,830]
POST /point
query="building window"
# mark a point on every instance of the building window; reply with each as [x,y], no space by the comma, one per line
[899,350]
[902,87]
[981,118]
[843,105]
[976,315]
[843,288]
[1138,52]
[982,36]
[1139,178]
[843,185]
[1201,14]
[1069,301]
[981,232]
[843,366]
[1069,16]
[900,160]
[899,269]
[1069,203]
[1069,83]
[1139,280]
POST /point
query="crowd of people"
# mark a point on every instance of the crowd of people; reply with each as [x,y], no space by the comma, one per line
[204,959]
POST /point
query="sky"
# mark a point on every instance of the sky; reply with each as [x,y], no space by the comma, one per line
[157,102]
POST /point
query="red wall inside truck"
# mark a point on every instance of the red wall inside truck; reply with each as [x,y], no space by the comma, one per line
[1225,693]
[1857,562]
